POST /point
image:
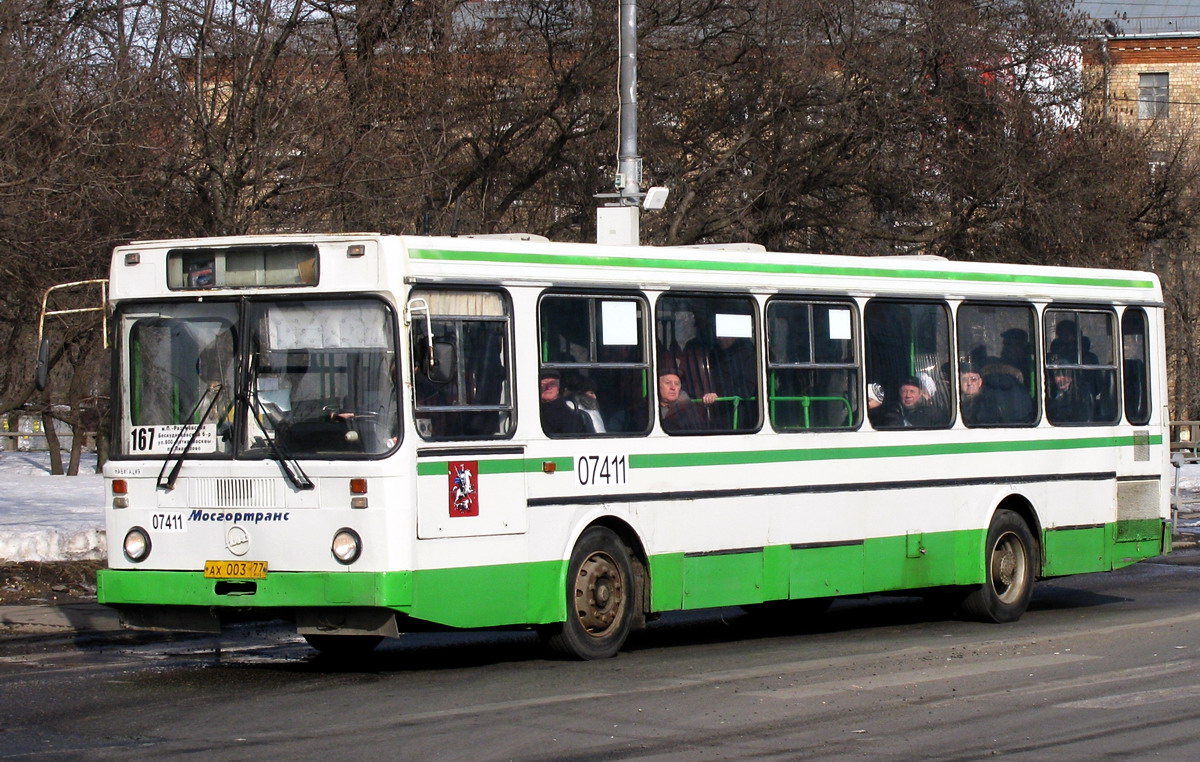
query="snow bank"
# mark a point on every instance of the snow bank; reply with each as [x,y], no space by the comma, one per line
[50,518]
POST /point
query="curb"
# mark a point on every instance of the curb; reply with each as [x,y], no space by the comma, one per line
[49,619]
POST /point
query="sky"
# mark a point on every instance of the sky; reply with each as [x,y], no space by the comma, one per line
[1145,16]
[61,518]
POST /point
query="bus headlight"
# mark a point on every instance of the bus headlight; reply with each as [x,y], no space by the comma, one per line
[347,546]
[136,545]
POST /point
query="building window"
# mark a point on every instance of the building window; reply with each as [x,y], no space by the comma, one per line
[1153,94]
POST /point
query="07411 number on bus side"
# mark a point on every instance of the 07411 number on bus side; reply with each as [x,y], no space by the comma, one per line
[602,470]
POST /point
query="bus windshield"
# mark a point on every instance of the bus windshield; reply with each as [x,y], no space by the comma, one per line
[318,380]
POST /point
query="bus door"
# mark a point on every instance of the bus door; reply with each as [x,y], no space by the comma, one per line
[468,482]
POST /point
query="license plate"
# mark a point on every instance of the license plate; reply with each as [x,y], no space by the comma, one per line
[235,569]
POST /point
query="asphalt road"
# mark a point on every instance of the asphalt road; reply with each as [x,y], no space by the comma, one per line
[1102,666]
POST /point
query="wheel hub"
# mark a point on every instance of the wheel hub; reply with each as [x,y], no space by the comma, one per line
[599,594]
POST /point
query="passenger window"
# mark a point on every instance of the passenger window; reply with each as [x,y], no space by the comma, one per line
[812,371]
[997,376]
[594,374]
[1136,376]
[707,364]
[1081,371]
[462,365]
[908,365]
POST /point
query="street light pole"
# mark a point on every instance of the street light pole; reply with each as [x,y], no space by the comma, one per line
[617,220]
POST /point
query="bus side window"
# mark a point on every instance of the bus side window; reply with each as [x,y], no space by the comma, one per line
[996,366]
[812,371]
[709,344]
[908,359]
[467,395]
[593,366]
[1081,371]
[1134,343]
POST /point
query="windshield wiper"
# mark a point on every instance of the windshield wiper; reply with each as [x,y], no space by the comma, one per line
[290,466]
[214,388]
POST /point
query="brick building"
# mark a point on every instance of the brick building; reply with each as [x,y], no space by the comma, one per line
[1147,60]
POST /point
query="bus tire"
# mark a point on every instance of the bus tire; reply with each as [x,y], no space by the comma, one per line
[1010,571]
[600,596]
[344,646]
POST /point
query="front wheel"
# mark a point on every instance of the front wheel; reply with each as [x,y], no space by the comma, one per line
[1010,555]
[600,591]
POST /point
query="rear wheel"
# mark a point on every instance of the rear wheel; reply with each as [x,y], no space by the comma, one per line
[1009,555]
[600,592]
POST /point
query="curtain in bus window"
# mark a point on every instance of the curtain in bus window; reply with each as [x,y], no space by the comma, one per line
[1136,371]
[996,365]
[1081,374]
[908,364]
[324,378]
[594,369]
[707,364]
[463,390]
[812,377]
[317,325]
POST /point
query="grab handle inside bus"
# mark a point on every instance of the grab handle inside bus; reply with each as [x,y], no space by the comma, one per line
[438,365]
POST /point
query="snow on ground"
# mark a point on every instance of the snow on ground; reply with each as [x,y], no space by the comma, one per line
[50,518]
[61,518]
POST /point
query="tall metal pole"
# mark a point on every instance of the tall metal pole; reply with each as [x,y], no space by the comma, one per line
[629,164]
[617,220]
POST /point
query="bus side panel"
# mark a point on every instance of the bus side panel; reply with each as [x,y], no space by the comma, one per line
[1077,550]
[725,578]
[666,582]
[489,596]
[914,560]
[826,571]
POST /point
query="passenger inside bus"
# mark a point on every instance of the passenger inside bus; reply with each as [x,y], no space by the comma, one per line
[677,411]
[977,406]
[1005,385]
[557,416]
[911,409]
[1066,402]
[582,398]
[732,379]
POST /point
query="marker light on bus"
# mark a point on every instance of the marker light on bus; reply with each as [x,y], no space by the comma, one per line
[347,546]
[119,489]
[137,545]
[358,488]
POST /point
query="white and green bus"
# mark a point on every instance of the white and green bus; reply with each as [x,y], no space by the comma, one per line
[368,435]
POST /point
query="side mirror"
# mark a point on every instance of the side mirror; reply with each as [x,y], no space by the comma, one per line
[41,378]
[444,366]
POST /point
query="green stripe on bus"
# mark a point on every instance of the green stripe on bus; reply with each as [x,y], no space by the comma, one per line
[497,466]
[584,260]
[750,457]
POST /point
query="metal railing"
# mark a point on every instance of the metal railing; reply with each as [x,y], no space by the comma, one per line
[1185,440]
